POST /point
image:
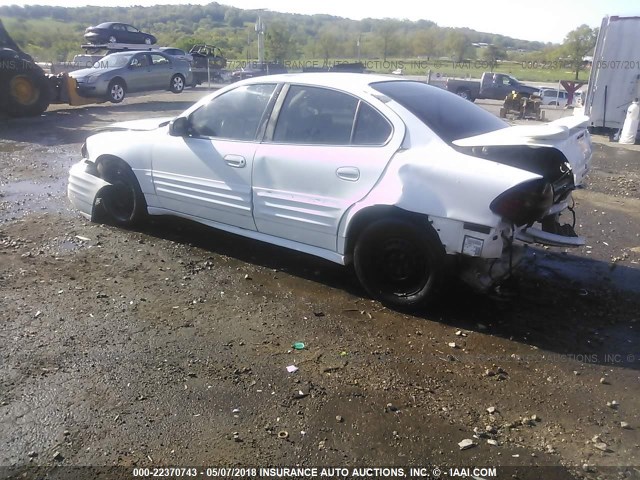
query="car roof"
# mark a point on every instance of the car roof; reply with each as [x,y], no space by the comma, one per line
[125,53]
[348,82]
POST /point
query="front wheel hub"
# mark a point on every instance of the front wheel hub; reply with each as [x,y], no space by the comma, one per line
[23,90]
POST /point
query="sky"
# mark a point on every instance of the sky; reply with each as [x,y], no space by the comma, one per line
[541,20]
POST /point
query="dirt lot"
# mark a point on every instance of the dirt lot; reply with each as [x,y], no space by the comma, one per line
[168,346]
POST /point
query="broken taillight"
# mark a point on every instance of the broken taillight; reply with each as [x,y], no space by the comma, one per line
[525,203]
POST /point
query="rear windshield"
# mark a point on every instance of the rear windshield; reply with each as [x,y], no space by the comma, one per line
[449,116]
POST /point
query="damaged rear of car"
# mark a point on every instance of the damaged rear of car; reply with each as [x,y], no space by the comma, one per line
[475,223]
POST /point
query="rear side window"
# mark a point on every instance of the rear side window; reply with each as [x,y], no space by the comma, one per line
[448,115]
[371,127]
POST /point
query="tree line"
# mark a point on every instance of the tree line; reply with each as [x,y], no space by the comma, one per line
[55,34]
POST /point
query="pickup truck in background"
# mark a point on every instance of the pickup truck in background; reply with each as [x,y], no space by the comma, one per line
[494,86]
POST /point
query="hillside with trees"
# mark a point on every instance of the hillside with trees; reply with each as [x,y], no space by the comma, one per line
[55,33]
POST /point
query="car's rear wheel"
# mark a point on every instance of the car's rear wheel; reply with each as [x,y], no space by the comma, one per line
[399,261]
[116,91]
[123,201]
[464,93]
[177,83]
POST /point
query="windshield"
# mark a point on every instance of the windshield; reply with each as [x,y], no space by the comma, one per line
[449,116]
[113,61]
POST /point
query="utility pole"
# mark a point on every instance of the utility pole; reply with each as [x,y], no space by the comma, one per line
[260,29]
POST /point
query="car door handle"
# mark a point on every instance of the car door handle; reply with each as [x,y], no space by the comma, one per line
[236,161]
[351,174]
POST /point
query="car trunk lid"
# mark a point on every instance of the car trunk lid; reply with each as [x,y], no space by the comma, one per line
[568,135]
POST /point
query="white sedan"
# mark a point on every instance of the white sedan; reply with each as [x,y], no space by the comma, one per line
[394,176]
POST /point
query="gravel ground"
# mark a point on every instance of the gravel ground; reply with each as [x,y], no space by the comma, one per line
[169,345]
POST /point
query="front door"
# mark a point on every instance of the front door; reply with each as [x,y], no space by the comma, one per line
[207,174]
[161,71]
[138,75]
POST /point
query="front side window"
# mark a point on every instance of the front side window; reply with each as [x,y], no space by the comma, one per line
[132,29]
[234,115]
[313,115]
[140,61]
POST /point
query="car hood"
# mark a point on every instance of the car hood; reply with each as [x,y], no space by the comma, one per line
[88,72]
[138,125]
[529,89]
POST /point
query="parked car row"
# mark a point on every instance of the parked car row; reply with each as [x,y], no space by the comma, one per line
[401,179]
[257,70]
[113,75]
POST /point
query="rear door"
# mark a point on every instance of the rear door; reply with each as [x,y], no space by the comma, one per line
[161,71]
[324,153]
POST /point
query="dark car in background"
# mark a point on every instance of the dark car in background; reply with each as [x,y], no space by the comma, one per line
[493,86]
[258,70]
[114,32]
[177,53]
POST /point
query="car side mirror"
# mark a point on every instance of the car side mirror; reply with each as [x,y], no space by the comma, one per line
[179,127]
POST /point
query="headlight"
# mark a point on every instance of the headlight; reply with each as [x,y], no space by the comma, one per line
[92,78]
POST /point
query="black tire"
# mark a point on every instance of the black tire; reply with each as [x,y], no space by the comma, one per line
[399,261]
[123,201]
[27,93]
[464,93]
[116,91]
[177,83]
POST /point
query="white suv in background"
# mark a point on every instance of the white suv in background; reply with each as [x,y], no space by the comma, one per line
[554,97]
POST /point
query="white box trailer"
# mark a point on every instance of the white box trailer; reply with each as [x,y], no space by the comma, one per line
[614,81]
